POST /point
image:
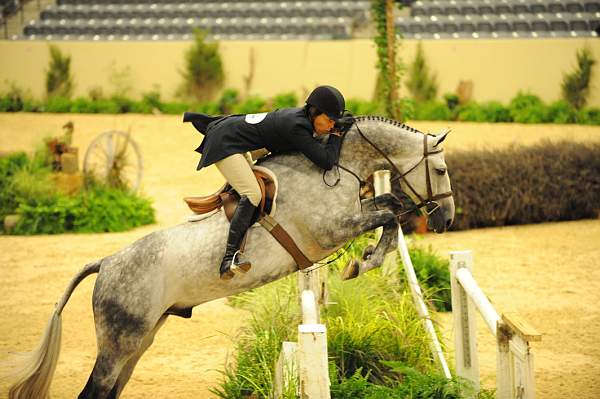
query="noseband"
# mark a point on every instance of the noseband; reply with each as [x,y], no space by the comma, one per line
[430,203]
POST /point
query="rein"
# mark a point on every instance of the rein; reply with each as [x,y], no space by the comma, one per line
[430,203]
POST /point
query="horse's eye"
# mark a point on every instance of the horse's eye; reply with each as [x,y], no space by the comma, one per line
[440,171]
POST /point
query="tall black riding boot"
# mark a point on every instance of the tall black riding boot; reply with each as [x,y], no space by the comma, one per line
[234,260]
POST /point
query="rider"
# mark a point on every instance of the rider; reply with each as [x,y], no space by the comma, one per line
[228,140]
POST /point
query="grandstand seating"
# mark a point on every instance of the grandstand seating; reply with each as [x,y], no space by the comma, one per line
[310,19]
[165,19]
[501,18]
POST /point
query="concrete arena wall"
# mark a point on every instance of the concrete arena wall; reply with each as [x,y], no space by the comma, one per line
[498,68]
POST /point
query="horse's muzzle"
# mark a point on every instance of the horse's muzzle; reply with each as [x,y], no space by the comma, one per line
[439,220]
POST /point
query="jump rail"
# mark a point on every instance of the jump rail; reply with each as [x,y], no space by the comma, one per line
[382,185]
[514,360]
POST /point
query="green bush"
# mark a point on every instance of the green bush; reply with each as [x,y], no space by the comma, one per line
[471,112]
[361,107]
[562,112]
[250,106]
[83,105]
[9,166]
[433,275]
[152,98]
[17,99]
[432,111]
[59,82]
[95,210]
[228,100]
[29,183]
[123,104]
[527,108]
[285,100]
[106,106]
[518,185]
[589,116]
[373,321]
[58,105]
[142,107]
[26,188]
[209,108]
[409,383]
[174,108]
[452,100]
[496,112]
[491,111]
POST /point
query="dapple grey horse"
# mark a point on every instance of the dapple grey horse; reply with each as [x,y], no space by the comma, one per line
[170,271]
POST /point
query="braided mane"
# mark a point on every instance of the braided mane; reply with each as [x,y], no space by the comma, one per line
[388,121]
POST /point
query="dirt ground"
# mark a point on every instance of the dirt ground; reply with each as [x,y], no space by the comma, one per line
[548,273]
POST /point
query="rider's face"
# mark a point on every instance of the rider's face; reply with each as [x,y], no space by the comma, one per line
[322,124]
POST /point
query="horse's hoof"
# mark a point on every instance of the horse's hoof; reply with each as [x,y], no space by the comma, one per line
[351,269]
[368,251]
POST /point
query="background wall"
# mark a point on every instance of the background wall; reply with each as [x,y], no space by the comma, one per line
[498,68]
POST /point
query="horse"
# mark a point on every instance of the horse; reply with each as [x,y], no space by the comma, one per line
[170,271]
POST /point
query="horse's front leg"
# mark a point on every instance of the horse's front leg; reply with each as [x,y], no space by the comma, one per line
[388,242]
[384,201]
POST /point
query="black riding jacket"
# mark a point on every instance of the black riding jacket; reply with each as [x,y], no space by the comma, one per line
[283,130]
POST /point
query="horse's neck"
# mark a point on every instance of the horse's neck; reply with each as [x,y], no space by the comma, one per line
[398,143]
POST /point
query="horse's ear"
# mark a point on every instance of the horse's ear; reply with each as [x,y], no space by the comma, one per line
[441,137]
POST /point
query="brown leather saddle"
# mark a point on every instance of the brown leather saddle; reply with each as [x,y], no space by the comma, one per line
[227,198]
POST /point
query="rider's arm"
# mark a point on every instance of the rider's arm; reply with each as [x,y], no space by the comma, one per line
[324,155]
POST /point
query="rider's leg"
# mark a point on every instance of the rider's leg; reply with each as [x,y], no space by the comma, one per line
[237,171]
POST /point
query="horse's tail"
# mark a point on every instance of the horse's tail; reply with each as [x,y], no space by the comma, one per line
[33,371]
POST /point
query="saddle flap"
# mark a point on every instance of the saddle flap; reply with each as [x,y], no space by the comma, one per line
[227,199]
[205,204]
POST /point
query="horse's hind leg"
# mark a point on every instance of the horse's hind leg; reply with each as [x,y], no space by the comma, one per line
[133,360]
[120,335]
[104,375]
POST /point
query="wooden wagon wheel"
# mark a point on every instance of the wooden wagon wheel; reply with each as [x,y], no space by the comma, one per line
[114,158]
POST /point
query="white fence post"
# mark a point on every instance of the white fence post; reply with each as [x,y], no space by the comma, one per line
[503,380]
[315,279]
[312,352]
[286,369]
[465,327]
[514,361]
[521,375]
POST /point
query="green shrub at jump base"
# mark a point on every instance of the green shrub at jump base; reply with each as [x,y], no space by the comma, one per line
[377,346]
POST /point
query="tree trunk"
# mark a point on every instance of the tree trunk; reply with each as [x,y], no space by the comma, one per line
[391,53]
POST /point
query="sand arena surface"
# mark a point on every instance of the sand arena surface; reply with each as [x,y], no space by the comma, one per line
[549,273]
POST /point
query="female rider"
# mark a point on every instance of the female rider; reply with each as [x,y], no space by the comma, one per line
[227,140]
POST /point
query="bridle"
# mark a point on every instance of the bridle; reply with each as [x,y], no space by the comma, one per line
[430,203]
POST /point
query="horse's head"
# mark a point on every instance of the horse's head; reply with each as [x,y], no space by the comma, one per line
[428,184]
[416,161]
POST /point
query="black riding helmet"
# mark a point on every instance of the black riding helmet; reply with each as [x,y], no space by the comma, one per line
[328,100]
